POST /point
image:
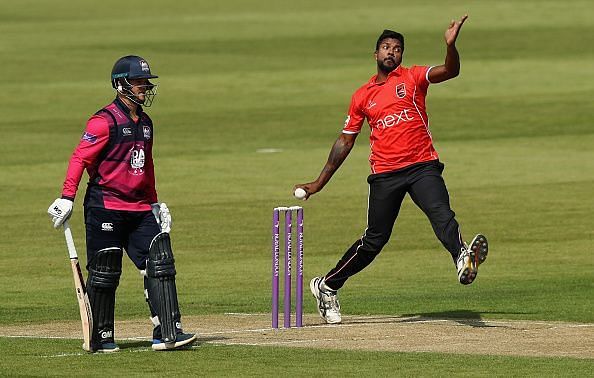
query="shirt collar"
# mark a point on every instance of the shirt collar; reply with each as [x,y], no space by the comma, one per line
[123,107]
[396,72]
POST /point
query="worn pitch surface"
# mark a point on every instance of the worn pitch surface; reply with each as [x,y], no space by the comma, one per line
[382,333]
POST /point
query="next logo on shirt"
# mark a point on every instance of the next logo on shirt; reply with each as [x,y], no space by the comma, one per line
[394,119]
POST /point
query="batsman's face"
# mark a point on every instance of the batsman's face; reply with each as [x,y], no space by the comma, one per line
[140,88]
[389,55]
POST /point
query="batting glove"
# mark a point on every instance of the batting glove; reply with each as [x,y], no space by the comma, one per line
[162,216]
[60,211]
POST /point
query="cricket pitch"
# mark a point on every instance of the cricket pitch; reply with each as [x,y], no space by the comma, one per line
[379,333]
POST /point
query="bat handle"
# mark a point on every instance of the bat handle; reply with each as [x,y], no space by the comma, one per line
[69,241]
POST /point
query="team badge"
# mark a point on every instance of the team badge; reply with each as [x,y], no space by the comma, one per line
[401,90]
[137,161]
[147,132]
[144,66]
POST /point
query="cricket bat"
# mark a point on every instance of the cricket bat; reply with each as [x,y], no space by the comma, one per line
[86,316]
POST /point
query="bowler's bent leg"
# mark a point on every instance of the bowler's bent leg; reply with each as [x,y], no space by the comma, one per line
[385,197]
[428,191]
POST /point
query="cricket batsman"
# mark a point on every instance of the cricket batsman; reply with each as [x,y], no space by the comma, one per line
[403,160]
[122,211]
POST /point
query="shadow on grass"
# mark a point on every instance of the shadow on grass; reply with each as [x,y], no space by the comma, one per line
[147,344]
[134,344]
[462,317]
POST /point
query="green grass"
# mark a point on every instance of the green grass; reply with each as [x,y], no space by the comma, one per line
[238,76]
[210,360]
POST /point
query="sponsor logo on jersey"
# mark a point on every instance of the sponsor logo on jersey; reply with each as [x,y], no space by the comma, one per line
[127,131]
[106,226]
[88,137]
[394,119]
[146,131]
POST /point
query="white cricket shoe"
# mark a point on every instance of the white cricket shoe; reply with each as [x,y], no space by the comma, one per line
[182,341]
[327,300]
[470,258]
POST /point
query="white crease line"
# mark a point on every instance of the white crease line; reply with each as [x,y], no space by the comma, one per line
[130,350]
[64,355]
[270,342]
[36,337]
[137,338]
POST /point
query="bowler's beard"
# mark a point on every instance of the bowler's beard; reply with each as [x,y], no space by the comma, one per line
[389,67]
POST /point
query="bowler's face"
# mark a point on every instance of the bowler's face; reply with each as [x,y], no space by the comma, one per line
[389,55]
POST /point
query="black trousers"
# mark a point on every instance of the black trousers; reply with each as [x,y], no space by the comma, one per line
[129,230]
[426,187]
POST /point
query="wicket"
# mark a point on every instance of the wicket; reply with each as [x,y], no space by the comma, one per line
[288,262]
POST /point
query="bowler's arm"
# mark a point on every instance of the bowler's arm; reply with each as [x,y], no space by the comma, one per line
[451,67]
[339,152]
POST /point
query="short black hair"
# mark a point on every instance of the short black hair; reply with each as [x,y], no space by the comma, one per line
[389,34]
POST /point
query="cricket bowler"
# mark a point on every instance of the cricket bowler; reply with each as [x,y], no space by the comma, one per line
[403,160]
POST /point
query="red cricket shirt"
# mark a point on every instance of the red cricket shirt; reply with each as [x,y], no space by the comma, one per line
[395,111]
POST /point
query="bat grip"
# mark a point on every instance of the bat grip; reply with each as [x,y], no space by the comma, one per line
[69,241]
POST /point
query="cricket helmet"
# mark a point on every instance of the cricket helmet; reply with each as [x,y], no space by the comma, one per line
[128,68]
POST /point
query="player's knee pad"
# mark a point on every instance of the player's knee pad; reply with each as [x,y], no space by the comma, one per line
[105,270]
[160,287]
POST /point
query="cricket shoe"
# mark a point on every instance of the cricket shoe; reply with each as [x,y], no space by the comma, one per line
[106,348]
[470,257]
[327,300]
[182,340]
